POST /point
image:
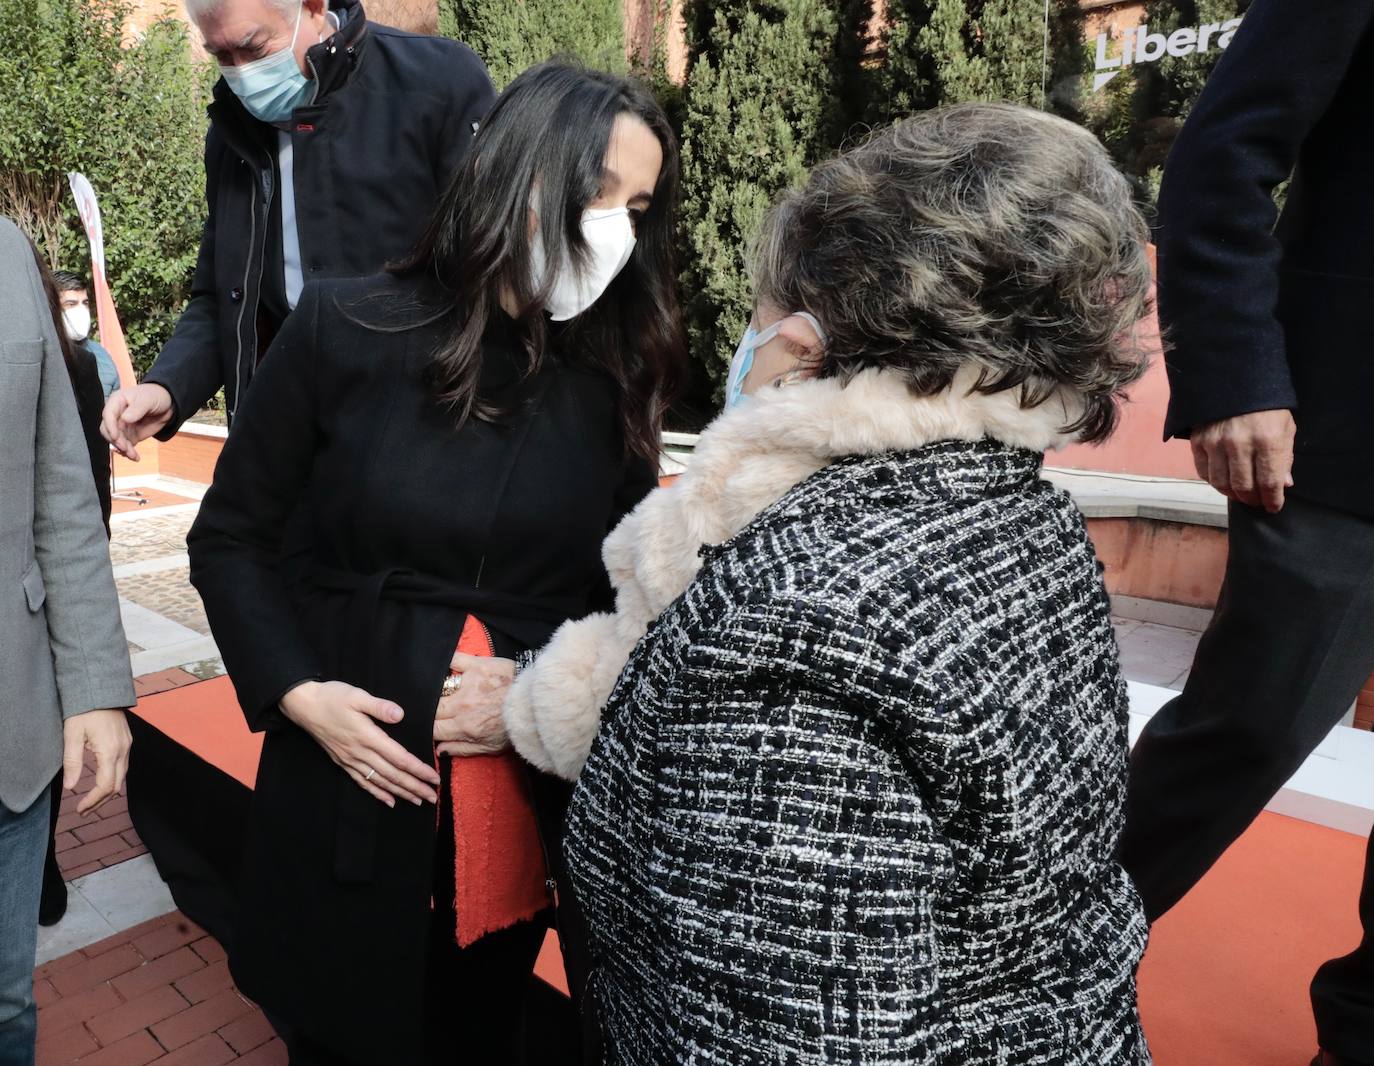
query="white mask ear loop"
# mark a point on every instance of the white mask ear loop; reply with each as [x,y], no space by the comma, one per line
[797,374]
[815,324]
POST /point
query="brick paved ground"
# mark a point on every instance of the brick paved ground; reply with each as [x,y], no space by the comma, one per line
[146,498]
[91,842]
[151,537]
[157,993]
[106,837]
[168,592]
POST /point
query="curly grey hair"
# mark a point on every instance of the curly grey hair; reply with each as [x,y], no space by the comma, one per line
[980,233]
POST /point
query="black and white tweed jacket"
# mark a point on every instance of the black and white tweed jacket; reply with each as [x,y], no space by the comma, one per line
[855,796]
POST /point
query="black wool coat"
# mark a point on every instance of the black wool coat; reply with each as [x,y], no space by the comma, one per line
[90,403]
[413,523]
[394,116]
[1260,316]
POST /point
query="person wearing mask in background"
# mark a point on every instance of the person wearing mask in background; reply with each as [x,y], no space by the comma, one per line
[492,408]
[86,363]
[66,295]
[76,325]
[331,140]
[1270,376]
[64,661]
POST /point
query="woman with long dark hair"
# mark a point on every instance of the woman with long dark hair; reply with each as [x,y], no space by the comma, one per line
[464,431]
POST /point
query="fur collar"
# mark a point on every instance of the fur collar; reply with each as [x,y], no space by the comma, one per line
[752,455]
[747,460]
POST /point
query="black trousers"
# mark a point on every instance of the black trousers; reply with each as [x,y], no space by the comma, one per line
[475,1001]
[53,882]
[1280,665]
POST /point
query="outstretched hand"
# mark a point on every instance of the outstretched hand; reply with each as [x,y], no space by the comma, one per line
[469,722]
[133,415]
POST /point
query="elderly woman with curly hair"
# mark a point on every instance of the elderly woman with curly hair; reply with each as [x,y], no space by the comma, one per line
[852,749]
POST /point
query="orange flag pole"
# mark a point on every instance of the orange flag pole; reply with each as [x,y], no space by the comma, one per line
[111,332]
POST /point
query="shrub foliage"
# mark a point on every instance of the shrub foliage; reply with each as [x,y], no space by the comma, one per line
[761,106]
[78,93]
[511,35]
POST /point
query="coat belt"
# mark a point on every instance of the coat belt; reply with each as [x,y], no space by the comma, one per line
[528,620]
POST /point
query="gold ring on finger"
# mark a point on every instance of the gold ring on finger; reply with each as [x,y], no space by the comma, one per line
[452,684]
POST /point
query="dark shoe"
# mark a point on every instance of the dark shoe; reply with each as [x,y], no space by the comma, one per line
[53,904]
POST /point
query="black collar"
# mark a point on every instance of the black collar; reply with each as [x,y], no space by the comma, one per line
[336,57]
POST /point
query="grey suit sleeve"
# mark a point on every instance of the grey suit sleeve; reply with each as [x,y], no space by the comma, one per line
[90,653]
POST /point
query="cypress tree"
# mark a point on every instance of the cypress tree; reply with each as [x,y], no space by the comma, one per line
[950,51]
[512,35]
[761,106]
[905,80]
[1002,50]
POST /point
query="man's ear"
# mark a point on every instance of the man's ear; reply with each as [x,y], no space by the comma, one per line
[316,8]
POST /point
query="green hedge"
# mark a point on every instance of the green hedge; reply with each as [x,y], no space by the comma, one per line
[511,35]
[761,105]
[75,94]
[774,87]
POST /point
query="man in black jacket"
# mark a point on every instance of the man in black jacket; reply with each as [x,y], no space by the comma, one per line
[1271,373]
[331,140]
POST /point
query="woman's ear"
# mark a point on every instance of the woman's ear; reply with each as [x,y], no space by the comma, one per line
[802,338]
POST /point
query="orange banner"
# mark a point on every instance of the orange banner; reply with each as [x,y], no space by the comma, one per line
[111,332]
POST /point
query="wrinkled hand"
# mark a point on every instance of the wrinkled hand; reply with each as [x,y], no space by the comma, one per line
[469,722]
[135,414]
[106,735]
[1248,458]
[343,720]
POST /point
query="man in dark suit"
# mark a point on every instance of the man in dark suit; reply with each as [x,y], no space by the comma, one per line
[331,139]
[1271,372]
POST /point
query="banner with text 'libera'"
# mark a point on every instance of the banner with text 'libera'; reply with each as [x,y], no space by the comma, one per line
[1142,45]
[1143,67]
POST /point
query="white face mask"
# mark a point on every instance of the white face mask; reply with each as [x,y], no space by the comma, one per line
[610,238]
[77,322]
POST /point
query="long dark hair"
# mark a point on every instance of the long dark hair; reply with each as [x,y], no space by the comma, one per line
[547,138]
[54,294]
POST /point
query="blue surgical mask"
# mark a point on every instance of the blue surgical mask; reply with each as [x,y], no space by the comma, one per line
[272,87]
[754,339]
